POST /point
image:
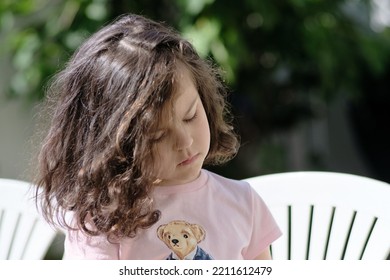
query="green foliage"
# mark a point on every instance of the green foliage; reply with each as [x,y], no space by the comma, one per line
[284,47]
[40,35]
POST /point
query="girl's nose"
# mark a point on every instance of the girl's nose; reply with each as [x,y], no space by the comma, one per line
[184,139]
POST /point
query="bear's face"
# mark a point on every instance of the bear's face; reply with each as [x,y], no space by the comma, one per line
[181,237]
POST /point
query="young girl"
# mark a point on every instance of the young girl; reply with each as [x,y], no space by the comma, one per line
[138,115]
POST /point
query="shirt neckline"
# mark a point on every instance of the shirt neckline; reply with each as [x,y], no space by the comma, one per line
[183,188]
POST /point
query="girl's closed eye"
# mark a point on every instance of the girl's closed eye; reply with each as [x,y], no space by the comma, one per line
[158,136]
[191,118]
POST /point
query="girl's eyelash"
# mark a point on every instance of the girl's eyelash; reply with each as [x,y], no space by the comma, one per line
[158,138]
[191,119]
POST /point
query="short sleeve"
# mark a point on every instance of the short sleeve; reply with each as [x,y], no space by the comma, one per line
[79,245]
[264,227]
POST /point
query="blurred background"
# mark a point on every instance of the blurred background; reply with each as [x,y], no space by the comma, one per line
[309,79]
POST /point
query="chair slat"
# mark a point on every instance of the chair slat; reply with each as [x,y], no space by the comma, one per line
[322,216]
[359,234]
[9,223]
[24,234]
[339,233]
[35,247]
[300,225]
[280,247]
[376,248]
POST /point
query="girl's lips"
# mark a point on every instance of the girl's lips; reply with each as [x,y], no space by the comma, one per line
[189,160]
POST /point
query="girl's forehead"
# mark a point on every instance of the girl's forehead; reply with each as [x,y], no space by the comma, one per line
[185,91]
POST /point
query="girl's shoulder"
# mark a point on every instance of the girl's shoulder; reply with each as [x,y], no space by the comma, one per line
[222,181]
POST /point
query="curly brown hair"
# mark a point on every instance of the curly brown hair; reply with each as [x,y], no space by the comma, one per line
[96,158]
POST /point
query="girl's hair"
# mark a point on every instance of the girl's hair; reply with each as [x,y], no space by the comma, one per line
[97,158]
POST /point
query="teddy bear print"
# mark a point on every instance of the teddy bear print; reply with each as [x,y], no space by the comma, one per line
[182,239]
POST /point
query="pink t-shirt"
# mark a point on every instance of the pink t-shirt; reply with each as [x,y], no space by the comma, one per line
[210,218]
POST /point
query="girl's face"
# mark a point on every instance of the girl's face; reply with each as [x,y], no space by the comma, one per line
[182,142]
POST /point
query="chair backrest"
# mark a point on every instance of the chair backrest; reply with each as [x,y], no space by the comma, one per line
[24,234]
[326,215]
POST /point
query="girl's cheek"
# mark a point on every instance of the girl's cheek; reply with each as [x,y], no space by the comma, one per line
[161,158]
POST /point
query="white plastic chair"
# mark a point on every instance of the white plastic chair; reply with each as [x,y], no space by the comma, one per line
[24,234]
[325,215]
